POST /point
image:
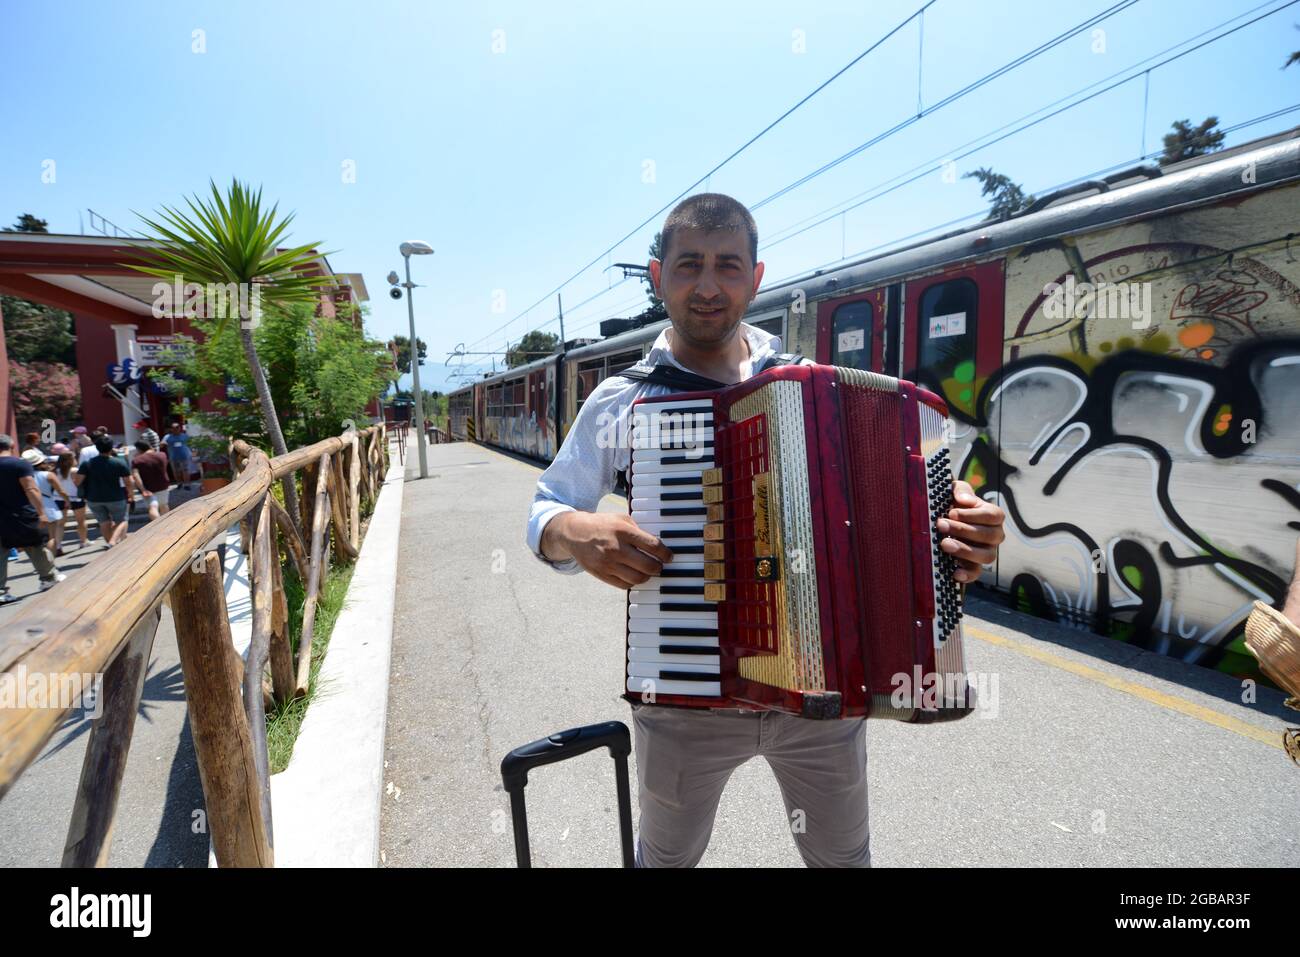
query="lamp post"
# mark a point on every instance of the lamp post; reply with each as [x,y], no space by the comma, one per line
[418,249]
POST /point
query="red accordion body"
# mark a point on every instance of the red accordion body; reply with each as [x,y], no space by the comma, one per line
[800,506]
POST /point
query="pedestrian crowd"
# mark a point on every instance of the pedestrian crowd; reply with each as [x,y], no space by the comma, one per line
[44,486]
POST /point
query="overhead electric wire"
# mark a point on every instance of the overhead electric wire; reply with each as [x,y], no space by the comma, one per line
[748,143]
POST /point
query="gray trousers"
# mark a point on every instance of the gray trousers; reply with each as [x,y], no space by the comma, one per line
[685,758]
[41,558]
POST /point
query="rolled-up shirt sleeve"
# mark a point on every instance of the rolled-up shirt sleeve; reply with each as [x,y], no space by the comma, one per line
[584,469]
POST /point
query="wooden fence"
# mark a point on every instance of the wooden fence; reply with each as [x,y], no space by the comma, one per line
[103,621]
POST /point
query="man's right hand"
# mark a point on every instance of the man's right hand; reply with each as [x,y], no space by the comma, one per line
[608,545]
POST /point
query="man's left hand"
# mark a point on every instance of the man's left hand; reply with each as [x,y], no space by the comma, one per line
[974,532]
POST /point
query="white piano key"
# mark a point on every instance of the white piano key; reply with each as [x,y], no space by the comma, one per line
[651,612]
[644,640]
[702,689]
[655,657]
[694,467]
[651,626]
[649,502]
[648,669]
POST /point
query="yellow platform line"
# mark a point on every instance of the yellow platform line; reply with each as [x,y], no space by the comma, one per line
[1273,738]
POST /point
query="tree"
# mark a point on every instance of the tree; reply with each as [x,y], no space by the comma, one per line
[321,371]
[1008,197]
[231,239]
[27,223]
[402,345]
[44,390]
[35,333]
[532,346]
[1186,141]
[656,311]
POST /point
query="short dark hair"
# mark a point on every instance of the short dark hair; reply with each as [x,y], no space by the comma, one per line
[143,446]
[103,444]
[709,212]
[6,442]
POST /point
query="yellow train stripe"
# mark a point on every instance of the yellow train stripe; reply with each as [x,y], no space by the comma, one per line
[1270,736]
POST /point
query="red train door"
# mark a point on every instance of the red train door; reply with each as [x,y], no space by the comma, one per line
[952,342]
[851,331]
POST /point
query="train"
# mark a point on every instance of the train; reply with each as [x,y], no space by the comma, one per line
[1121,363]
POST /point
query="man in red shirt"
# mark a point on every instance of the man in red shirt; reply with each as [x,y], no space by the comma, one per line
[149,468]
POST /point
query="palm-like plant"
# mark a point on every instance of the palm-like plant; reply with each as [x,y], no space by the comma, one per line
[231,239]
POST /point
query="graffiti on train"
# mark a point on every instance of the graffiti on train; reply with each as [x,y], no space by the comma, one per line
[1174,462]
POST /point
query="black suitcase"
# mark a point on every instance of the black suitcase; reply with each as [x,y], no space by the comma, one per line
[560,747]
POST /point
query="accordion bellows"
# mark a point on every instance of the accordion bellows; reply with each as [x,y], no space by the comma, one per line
[800,506]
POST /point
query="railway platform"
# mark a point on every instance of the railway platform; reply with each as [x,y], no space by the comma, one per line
[1087,752]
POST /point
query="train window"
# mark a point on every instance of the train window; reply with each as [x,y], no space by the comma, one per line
[589,375]
[772,325]
[624,360]
[946,331]
[852,329]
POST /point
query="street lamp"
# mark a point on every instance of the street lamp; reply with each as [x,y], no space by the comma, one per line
[407,250]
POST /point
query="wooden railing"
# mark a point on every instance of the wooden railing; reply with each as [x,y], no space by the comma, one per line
[104,621]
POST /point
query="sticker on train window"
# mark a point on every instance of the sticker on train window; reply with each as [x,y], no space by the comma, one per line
[953,324]
[853,339]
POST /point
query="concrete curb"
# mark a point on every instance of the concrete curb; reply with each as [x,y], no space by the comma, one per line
[325,805]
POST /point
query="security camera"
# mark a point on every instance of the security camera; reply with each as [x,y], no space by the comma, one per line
[392,278]
[395,292]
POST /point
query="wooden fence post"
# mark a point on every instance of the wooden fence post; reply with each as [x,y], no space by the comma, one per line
[222,742]
[315,574]
[90,832]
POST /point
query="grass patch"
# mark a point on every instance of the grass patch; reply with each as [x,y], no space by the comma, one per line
[283,725]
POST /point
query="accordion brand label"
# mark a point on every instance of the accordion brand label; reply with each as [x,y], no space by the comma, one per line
[953,324]
[762,520]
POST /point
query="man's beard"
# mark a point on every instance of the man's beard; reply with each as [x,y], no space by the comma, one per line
[699,331]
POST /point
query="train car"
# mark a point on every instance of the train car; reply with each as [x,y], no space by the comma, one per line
[1122,366]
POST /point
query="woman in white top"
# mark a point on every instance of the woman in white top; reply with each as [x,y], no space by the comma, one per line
[53,495]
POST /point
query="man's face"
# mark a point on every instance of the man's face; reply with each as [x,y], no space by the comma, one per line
[706,281]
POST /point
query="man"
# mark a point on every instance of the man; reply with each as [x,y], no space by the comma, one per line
[22,519]
[148,434]
[707,278]
[149,469]
[107,486]
[178,451]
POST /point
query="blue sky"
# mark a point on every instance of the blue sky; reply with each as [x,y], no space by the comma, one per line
[519,139]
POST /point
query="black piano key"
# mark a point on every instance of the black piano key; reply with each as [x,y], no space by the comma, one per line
[687,631]
[688,675]
[681,572]
[681,533]
[687,549]
[703,608]
[679,414]
[687,650]
[683,511]
[680,480]
[686,460]
[681,444]
[681,496]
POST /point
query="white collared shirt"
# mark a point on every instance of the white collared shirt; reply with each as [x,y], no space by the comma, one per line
[584,469]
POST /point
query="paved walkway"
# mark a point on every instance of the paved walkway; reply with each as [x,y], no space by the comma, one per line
[1083,764]
[161,790]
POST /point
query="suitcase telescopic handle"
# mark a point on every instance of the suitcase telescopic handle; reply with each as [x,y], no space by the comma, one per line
[560,747]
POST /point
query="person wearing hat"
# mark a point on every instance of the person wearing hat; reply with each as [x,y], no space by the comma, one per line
[148,434]
[22,519]
[52,493]
[1273,637]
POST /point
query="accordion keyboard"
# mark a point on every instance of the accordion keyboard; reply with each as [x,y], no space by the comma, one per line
[672,628]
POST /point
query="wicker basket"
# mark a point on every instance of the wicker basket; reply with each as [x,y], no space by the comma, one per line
[1275,641]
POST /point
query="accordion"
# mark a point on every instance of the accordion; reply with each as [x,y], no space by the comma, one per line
[800,507]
